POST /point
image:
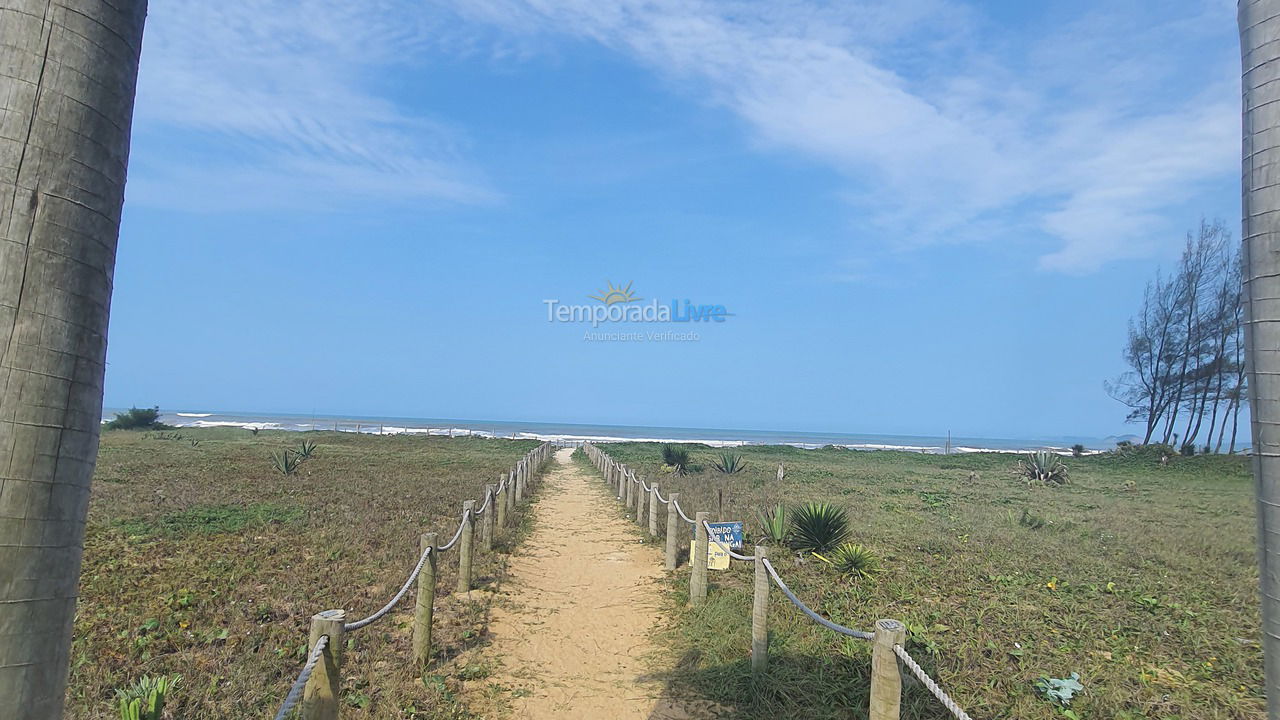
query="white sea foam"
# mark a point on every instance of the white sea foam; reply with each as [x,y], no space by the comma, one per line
[380,429]
[233,423]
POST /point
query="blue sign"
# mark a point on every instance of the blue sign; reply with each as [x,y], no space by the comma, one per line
[727,533]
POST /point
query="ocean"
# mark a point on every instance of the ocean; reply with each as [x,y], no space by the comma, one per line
[570,432]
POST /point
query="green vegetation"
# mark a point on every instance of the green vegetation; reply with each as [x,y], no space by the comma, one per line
[1045,467]
[205,561]
[305,450]
[210,519]
[774,523]
[137,419]
[852,561]
[1140,576]
[144,700]
[285,461]
[818,527]
[675,459]
[728,464]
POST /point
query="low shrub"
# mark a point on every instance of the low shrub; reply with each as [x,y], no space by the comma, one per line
[819,526]
[144,700]
[773,523]
[137,419]
[1045,467]
[852,561]
[729,464]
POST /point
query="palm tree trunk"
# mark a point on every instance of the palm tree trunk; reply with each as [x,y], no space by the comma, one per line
[1259,23]
[68,70]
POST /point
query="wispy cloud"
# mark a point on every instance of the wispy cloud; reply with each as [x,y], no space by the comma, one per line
[949,128]
[270,103]
[1092,132]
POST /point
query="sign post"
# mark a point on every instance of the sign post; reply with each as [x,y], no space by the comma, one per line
[726,533]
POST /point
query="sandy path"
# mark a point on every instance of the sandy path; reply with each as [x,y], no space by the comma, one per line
[580,607]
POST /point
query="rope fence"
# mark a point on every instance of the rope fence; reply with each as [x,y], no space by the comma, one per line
[319,692]
[888,654]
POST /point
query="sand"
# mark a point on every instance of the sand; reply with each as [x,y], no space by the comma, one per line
[574,632]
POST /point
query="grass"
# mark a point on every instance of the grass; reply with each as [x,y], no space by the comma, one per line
[203,560]
[1139,576]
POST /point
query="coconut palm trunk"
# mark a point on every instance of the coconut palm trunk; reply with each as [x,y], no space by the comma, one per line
[1259,22]
[67,75]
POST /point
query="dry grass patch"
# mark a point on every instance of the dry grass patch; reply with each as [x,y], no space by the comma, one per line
[202,559]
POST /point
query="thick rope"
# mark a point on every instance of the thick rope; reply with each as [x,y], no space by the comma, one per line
[660,498]
[711,536]
[805,608]
[686,517]
[456,535]
[645,486]
[295,691]
[387,608]
[942,696]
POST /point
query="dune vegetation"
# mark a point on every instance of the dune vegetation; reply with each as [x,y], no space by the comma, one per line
[204,559]
[1137,572]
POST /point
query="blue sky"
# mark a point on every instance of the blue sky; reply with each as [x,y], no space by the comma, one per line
[924,215]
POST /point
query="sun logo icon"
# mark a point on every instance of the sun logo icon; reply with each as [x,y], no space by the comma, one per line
[613,295]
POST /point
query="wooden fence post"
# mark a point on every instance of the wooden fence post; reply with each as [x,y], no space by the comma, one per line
[502,500]
[653,510]
[425,607]
[324,688]
[698,578]
[519,481]
[886,678]
[627,500]
[464,547]
[487,519]
[639,493]
[673,531]
[511,497]
[760,614]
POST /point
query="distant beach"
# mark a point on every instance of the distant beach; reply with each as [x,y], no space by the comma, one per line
[570,432]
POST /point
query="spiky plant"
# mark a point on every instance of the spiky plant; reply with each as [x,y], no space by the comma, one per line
[676,458]
[819,526]
[305,450]
[852,561]
[773,522]
[729,463]
[144,700]
[1045,467]
[285,461]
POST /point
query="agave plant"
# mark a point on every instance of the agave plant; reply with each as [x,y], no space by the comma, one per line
[285,461]
[773,521]
[675,458]
[729,463]
[852,561]
[819,526]
[305,450]
[144,700]
[1045,467]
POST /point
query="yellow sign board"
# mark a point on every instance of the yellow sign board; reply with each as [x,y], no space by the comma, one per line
[717,558]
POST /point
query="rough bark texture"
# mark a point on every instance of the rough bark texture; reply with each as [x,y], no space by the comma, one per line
[1260,55]
[67,75]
